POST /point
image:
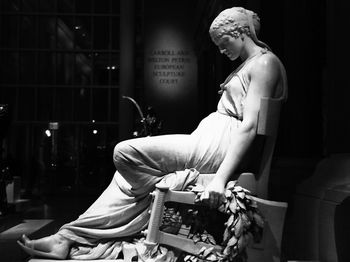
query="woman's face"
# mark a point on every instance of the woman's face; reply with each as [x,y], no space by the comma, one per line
[229,46]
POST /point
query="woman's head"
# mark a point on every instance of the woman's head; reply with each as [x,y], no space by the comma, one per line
[234,22]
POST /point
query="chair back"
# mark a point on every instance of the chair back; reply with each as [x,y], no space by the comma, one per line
[269,249]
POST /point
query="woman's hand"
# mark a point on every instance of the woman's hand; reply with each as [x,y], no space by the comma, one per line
[214,194]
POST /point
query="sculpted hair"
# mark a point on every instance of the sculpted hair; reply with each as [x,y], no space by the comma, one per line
[234,22]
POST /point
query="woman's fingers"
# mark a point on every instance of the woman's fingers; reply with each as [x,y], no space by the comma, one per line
[212,199]
[205,196]
[218,199]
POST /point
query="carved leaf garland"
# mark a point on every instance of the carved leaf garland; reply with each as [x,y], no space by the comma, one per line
[245,223]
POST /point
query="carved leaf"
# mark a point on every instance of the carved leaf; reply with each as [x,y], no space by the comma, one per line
[222,208]
[226,235]
[212,257]
[201,251]
[233,206]
[230,221]
[258,220]
[241,243]
[211,240]
[231,184]
[207,251]
[253,204]
[238,228]
[238,189]
[190,258]
[241,204]
[233,241]
[241,194]
[228,194]
[246,220]
[196,238]
[227,250]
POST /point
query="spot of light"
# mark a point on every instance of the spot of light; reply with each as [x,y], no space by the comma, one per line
[48,133]
[111,67]
[77,27]
[94,131]
[93,121]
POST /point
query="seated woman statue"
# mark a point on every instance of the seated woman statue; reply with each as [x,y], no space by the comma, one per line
[217,145]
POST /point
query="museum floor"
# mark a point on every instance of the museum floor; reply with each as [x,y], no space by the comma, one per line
[43,217]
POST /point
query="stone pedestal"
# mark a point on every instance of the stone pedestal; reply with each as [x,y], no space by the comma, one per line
[314,206]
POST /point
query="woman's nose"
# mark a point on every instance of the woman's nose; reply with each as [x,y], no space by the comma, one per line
[222,51]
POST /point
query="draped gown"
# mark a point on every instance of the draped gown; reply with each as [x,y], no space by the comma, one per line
[122,209]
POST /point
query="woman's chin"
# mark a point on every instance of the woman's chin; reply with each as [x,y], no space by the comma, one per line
[232,58]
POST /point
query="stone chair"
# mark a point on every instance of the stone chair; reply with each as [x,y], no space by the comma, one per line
[267,250]
[256,183]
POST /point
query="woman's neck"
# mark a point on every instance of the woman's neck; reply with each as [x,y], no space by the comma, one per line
[250,49]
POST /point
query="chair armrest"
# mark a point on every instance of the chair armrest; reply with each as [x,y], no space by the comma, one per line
[181,197]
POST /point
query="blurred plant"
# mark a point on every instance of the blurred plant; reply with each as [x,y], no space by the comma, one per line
[149,125]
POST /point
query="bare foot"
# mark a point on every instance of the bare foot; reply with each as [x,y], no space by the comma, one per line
[54,246]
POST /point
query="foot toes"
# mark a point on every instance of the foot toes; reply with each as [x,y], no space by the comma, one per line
[26,241]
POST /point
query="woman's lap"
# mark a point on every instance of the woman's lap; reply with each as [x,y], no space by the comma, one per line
[144,161]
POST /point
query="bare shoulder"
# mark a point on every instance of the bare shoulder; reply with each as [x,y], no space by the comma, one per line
[266,66]
[265,74]
[267,61]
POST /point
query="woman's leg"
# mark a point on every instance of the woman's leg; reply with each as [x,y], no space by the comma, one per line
[54,246]
[143,162]
[122,209]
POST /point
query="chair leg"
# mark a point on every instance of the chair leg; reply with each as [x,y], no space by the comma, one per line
[156,215]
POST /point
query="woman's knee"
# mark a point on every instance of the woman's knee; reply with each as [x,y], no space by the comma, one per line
[123,152]
[120,150]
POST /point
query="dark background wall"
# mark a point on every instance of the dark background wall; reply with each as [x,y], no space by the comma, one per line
[60,59]
[67,71]
[169,41]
